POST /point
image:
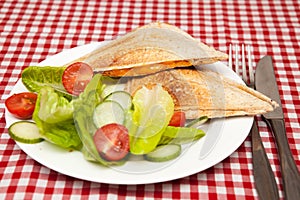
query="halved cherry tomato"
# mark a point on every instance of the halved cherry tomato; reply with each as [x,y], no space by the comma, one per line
[112,141]
[21,105]
[76,76]
[178,119]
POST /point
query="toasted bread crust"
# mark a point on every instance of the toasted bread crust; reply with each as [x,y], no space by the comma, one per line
[206,93]
[149,49]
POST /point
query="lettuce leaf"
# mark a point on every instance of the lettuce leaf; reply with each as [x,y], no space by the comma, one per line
[54,108]
[63,134]
[34,78]
[84,107]
[153,109]
[180,135]
[53,116]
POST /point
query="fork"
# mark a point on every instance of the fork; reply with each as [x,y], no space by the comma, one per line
[265,183]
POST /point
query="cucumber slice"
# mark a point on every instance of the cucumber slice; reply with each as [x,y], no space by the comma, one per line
[197,122]
[25,132]
[108,112]
[110,85]
[164,153]
[108,90]
[122,97]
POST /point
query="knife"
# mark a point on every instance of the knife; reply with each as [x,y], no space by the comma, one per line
[265,82]
[265,182]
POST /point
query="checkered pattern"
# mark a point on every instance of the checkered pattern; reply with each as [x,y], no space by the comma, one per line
[32,30]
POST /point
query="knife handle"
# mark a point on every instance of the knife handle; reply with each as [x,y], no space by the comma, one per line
[263,175]
[289,170]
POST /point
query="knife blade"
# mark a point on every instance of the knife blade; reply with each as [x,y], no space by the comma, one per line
[265,82]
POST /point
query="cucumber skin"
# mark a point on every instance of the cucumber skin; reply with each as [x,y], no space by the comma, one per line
[197,122]
[20,139]
[153,158]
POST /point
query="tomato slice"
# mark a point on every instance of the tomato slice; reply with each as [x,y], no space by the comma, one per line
[178,119]
[21,105]
[112,141]
[76,76]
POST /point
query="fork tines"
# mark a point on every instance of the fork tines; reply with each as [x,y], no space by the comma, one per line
[234,53]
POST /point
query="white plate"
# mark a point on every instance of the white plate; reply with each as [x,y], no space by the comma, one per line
[230,135]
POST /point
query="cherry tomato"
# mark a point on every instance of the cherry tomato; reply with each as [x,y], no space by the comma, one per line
[76,76]
[21,105]
[112,141]
[178,119]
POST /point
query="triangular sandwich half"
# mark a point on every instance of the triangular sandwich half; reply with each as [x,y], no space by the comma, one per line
[206,93]
[149,49]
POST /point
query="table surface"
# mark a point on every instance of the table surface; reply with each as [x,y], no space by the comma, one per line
[33,30]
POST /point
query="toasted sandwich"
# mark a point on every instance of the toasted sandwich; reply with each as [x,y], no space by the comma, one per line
[149,49]
[205,93]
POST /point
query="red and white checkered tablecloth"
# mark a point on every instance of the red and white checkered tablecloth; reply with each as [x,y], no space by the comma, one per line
[32,30]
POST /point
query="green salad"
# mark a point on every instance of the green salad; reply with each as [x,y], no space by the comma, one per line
[107,127]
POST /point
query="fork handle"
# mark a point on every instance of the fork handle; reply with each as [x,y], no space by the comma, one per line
[289,170]
[265,182]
